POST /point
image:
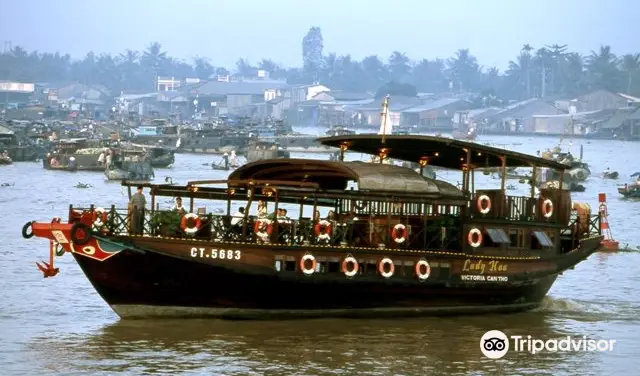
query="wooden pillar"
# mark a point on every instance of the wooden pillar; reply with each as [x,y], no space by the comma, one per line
[468,172]
[502,187]
[534,179]
[504,173]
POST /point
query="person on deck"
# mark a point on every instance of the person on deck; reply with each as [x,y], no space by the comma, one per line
[238,217]
[262,209]
[178,206]
[138,203]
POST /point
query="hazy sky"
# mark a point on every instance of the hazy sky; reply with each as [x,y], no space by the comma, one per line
[225,30]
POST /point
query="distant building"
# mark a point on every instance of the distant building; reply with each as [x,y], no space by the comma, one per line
[597,100]
[519,117]
[434,114]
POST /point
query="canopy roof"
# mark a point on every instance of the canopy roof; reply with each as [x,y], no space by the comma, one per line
[438,151]
[336,175]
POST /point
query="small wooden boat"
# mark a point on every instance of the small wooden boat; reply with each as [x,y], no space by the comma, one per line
[469,134]
[5,159]
[260,150]
[130,165]
[631,190]
[610,175]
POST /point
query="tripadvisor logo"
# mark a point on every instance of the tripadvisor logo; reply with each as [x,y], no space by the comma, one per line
[494,344]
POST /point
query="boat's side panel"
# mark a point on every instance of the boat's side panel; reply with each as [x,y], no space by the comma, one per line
[131,281]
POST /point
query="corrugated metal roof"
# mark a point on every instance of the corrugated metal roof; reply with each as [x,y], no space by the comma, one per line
[635,115]
[617,119]
[230,88]
[6,131]
[432,105]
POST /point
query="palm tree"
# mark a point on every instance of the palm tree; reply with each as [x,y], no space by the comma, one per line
[602,68]
[153,59]
[630,63]
[526,53]
[464,69]
[399,65]
[543,61]
[557,53]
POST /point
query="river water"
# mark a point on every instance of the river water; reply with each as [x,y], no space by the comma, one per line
[61,326]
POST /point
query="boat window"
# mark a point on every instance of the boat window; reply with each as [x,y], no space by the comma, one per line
[278,265]
[543,239]
[290,266]
[498,235]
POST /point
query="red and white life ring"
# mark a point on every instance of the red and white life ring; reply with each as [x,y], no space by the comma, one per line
[263,228]
[323,230]
[196,223]
[100,218]
[423,270]
[547,208]
[484,204]
[303,264]
[350,266]
[386,267]
[474,238]
[399,233]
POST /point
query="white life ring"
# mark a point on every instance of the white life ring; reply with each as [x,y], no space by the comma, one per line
[381,267]
[196,226]
[427,270]
[475,243]
[481,204]
[547,208]
[101,215]
[399,233]
[345,266]
[303,261]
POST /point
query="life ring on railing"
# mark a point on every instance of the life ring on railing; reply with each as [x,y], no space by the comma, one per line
[100,217]
[547,208]
[474,238]
[399,233]
[350,271]
[484,204]
[303,264]
[420,266]
[386,263]
[263,228]
[80,233]
[196,224]
[323,230]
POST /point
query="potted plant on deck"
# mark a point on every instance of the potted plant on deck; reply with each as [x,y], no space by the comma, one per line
[166,223]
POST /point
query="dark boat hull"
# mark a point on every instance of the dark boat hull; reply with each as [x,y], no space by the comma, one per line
[163,161]
[141,284]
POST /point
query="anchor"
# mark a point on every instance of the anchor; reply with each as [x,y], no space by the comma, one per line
[47,269]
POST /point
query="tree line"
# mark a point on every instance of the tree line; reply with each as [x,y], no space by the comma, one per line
[535,71]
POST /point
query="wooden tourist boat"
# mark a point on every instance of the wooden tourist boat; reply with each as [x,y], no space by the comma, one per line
[395,243]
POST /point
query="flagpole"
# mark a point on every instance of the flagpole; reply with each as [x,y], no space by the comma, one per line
[383,115]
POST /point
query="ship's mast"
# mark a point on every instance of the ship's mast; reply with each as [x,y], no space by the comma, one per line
[383,117]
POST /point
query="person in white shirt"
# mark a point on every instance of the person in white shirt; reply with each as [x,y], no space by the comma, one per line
[178,207]
[238,217]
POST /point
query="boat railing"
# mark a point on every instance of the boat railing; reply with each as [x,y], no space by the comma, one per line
[403,233]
